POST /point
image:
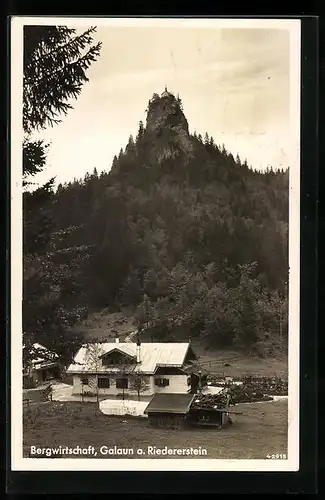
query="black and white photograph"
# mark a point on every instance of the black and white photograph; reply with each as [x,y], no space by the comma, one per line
[155,211]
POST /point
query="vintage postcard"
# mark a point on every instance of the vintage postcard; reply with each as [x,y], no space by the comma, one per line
[155,205]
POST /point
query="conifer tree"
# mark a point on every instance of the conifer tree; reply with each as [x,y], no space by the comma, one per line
[179,102]
[114,164]
[55,63]
[130,147]
[140,133]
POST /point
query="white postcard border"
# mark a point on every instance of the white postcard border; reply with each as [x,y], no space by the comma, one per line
[18,463]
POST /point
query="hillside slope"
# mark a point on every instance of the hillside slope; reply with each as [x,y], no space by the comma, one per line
[193,239]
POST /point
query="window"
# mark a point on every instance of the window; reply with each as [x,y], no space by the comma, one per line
[103,383]
[121,383]
[84,380]
[161,382]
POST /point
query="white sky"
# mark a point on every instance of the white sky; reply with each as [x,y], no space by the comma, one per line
[234,84]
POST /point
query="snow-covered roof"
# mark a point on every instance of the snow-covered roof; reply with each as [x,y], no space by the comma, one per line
[39,351]
[152,355]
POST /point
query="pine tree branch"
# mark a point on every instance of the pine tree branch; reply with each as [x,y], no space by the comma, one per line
[92,52]
[71,41]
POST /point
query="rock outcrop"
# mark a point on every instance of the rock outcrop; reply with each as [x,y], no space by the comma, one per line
[167,127]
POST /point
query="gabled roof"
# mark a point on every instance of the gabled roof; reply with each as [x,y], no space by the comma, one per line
[170,403]
[151,355]
[120,351]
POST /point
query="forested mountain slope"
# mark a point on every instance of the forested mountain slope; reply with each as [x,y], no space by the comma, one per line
[179,228]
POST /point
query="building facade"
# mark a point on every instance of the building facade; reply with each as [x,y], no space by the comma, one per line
[121,369]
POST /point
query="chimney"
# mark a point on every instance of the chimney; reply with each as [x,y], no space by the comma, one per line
[200,382]
[138,350]
[117,339]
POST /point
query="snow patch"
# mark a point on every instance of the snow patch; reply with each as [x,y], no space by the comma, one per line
[126,407]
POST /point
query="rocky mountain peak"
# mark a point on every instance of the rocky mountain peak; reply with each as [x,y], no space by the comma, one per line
[165,112]
[166,119]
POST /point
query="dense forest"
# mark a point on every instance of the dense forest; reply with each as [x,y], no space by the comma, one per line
[178,228]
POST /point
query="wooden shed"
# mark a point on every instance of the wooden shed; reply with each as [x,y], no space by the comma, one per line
[211,411]
[169,410]
[209,417]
